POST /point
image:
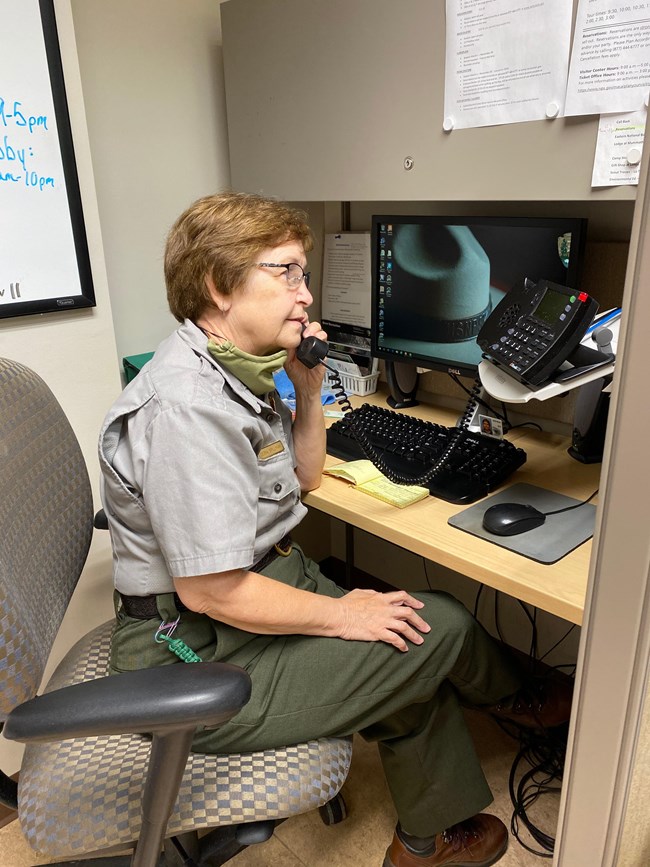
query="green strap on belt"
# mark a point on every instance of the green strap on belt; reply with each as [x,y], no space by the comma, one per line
[178,646]
[175,645]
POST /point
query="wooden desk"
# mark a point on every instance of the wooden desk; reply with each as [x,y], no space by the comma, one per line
[422,527]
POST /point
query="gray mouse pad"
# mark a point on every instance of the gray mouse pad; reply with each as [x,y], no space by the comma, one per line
[557,536]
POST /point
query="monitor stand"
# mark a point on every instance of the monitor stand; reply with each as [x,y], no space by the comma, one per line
[402,379]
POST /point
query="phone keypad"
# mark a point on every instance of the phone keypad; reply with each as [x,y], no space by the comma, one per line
[523,344]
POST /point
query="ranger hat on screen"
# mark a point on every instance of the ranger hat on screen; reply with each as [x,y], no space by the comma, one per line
[444,287]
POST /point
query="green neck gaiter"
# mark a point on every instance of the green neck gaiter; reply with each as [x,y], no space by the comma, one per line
[255,371]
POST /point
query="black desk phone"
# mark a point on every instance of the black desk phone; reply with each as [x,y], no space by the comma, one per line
[535,328]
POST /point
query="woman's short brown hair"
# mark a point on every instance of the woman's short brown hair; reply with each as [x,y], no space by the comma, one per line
[221,236]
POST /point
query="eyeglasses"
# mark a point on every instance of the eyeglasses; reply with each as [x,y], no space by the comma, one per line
[295,273]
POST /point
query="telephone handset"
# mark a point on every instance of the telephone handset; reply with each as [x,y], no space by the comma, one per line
[312,351]
[535,328]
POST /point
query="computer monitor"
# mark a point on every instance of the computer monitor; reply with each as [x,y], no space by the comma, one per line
[436,279]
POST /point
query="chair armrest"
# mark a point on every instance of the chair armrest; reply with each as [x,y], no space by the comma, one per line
[154,700]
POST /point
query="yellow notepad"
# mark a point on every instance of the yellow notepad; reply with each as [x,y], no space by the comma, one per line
[365,476]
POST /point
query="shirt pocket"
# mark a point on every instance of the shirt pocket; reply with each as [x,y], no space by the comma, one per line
[279,489]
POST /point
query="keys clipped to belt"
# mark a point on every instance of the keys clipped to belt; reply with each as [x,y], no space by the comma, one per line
[175,645]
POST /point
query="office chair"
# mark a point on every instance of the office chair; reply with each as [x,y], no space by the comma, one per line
[90,782]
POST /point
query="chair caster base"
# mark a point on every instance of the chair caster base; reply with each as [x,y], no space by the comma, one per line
[334,811]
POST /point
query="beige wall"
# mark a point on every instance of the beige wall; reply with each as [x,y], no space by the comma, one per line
[152,79]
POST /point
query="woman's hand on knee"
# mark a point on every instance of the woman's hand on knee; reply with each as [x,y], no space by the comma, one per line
[367,615]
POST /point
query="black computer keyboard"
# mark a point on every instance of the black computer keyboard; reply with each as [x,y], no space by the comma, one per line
[409,446]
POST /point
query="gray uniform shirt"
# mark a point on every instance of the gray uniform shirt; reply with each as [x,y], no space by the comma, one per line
[197,472]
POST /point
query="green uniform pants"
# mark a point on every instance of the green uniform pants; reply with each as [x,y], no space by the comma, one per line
[307,687]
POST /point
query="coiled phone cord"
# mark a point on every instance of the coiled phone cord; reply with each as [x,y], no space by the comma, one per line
[377,459]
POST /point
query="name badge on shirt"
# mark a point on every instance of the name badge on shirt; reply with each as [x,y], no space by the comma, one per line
[269,451]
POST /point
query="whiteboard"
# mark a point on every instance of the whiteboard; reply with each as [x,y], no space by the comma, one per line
[44,260]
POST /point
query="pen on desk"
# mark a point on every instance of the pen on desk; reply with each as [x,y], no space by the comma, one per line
[606,318]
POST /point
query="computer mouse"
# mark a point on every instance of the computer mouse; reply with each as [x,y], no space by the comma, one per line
[508,519]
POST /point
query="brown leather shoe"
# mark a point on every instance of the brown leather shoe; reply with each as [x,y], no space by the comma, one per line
[476,842]
[539,704]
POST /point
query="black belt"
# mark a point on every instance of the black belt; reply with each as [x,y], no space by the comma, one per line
[146,607]
[280,549]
